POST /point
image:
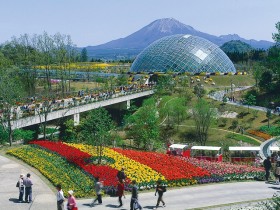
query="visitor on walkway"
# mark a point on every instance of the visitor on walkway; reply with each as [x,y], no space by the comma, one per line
[28,188]
[267,167]
[120,192]
[71,204]
[134,204]
[21,188]
[277,171]
[121,175]
[98,188]
[60,198]
[160,189]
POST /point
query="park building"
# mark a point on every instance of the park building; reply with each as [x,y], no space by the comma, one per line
[183,54]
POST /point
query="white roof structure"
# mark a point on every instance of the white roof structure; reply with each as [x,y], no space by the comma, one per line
[178,146]
[206,148]
[244,148]
[274,148]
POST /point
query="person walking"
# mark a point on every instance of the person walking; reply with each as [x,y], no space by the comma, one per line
[277,171]
[21,188]
[71,204]
[98,188]
[134,204]
[28,188]
[120,192]
[60,198]
[267,167]
[121,175]
[160,189]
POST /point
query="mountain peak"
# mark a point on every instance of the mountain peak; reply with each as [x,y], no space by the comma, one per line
[134,43]
[168,25]
[231,37]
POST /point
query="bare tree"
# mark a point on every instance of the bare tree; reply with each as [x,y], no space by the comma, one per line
[46,48]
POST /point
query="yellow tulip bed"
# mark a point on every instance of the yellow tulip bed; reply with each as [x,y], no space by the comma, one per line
[135,171]
[81,66]
[56,169]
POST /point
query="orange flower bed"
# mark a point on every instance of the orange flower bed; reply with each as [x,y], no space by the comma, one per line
[260,134]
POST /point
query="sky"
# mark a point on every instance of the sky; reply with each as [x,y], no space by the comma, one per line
[93,22]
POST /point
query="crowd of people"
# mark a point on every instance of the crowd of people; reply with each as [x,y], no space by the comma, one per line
[272,165]
[36,105]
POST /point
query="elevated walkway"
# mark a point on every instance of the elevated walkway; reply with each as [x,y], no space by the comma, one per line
[74,110]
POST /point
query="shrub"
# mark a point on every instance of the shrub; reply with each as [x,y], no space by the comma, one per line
[262,135]
[242,114]
[272,130]
[26,135]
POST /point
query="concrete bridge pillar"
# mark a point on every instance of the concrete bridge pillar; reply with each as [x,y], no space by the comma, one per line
[128,104]
[121,106]
[76,119]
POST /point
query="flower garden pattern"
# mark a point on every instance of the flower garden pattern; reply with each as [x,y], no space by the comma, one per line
[65,163]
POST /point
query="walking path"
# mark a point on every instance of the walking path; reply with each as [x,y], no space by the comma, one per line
[199,196]
[218,96]
[43,196]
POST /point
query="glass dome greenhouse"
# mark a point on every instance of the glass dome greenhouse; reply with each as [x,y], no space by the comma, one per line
[183,53]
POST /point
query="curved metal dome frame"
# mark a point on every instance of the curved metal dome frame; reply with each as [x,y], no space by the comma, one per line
[183,53]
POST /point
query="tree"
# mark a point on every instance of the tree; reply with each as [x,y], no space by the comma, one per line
[23,54]
[276,36]
[165,85]
[257,72]
[143,125]
[184,89]
[273,61]
[11,93]
[84,55]
[268,115]
[175,111]
[203,115]
[266,81]
[234,125]
[199,91]
[68,131]
[95,129]
[255,113]
[250,100]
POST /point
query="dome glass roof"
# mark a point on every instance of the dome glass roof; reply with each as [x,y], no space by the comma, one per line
[182,53]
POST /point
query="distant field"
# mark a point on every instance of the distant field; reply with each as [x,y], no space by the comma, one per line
[222,81]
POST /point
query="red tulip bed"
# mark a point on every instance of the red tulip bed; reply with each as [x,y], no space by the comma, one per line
[80,158]
[174,171]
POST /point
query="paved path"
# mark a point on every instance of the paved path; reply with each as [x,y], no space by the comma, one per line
[218,96]
[200,196]
[10,170]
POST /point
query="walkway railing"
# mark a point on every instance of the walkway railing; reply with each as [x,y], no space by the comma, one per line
[41,107]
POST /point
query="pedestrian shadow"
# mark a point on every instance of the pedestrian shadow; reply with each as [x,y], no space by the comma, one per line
[15,200]
[270,182]
[86,204]
[148,207]
[113,206]
[275,188]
